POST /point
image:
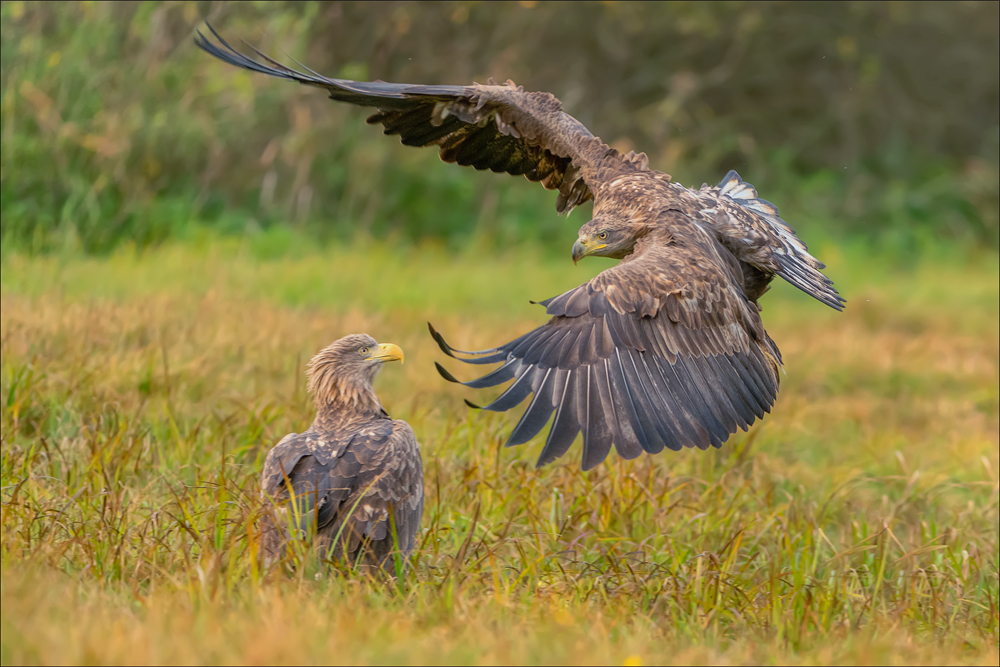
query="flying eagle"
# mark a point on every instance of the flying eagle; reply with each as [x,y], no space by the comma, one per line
[354,481]
[665,349]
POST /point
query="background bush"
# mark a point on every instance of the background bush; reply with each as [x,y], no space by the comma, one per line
[876,120]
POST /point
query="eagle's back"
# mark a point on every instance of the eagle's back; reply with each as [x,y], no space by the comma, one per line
[347,488]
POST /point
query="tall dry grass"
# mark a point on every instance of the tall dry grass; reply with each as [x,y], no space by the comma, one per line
[858,523]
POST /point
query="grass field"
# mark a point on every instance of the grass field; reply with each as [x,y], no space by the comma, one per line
[140,393]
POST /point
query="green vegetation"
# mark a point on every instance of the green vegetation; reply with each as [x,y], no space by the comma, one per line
[858,523]
[877,120]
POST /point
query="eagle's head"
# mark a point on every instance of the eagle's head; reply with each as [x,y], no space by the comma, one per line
[607,236]
[342,373]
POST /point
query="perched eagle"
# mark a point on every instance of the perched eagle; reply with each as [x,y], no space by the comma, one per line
[355,477]
[665,349]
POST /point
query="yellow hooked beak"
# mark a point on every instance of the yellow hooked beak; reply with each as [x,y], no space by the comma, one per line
[387,352]
[582,248]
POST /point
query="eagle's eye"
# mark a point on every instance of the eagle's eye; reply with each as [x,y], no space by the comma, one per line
[603,236]
[363,351]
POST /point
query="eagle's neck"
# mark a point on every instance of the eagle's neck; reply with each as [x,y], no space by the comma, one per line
[347,402]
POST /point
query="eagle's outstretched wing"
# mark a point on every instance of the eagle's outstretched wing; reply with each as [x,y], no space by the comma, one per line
[662,350]
[350,489]
[496,127]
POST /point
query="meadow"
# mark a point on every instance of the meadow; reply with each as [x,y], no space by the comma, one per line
[141,390]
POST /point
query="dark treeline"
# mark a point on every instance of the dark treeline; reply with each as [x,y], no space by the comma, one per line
[878,119]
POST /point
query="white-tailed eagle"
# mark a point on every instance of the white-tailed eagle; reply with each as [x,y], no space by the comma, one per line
[664,350]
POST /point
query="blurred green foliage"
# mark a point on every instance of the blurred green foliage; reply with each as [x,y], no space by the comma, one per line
[878,120]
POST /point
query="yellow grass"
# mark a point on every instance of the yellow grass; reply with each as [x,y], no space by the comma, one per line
[858,523]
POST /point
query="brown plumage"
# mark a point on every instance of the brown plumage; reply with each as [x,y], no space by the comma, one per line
[356,475]
[667,349]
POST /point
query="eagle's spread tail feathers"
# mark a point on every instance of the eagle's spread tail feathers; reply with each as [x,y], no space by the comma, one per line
[789,254]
